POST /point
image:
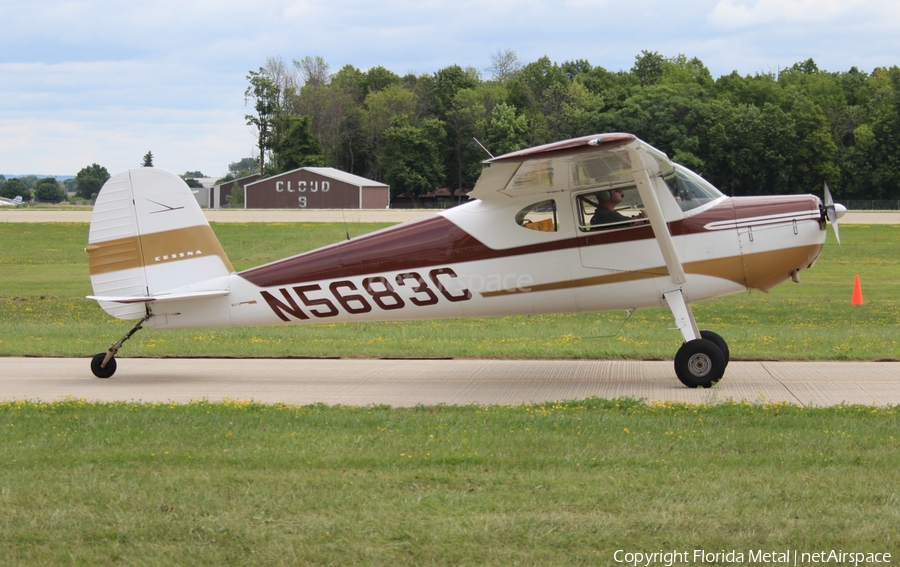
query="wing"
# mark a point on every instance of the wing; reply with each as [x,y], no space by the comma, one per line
[596,161]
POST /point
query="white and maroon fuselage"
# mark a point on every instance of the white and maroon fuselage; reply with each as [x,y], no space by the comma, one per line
[526,244]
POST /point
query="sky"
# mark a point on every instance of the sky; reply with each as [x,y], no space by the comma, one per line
[106,81]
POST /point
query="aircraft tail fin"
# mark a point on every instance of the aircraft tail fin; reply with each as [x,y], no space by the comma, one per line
[148,235]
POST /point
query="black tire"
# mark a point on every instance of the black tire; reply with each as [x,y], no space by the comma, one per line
[699,363]
[720,342]
[103,372]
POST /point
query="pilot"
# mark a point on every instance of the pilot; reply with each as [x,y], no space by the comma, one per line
[606,212]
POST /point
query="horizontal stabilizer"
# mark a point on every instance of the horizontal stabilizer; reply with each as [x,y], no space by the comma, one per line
[161,297]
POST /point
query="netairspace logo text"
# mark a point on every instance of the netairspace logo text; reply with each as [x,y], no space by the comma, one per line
[722,557]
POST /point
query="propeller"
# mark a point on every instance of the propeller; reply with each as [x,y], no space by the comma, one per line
[833,211]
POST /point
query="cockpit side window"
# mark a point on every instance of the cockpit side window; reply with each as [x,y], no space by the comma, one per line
[620,207]
[539,216]
[689,189]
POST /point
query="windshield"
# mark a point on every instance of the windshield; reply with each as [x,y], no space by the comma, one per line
[689,189]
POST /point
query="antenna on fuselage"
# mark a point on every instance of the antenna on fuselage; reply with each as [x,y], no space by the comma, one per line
[482,147]
[343,217]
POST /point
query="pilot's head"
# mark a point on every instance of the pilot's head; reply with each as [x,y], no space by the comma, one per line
[613,196]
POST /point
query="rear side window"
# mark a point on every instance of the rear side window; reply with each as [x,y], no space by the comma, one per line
[539,216]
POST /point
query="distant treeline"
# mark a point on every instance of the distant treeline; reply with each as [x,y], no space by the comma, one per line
[784,132]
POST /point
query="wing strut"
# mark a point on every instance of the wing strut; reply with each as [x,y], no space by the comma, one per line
[681,310]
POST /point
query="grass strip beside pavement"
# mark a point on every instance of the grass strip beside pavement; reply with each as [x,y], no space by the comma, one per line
[239,483]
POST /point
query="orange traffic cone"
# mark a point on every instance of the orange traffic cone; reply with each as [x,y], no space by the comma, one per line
[857,293]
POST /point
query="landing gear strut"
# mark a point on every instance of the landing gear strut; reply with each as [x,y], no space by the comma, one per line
[103,365]
[701,360]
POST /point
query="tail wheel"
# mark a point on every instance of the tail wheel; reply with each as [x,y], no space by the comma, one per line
[699,363]
[103,372]
[720,342]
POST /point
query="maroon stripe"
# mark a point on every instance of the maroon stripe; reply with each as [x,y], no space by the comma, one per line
[737,208]
[431,241]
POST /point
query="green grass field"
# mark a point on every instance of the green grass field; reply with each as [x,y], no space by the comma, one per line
[44,278]
[553,484]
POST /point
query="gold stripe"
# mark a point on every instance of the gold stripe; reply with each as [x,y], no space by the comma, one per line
[114,255]
[755,271]
[157,247]
[585,282]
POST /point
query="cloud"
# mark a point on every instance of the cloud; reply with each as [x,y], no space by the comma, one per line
[733,14]
[104,81]
[179,143]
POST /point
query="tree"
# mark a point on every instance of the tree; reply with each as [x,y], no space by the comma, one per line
[447,82]
[351,81]
[49,190]
[90,180]
[412,160]
[504,64]
[884,119]
[325,107]
[382,108]
[148,160]
[535,79]
[264,92]
[577,68]
[814,157]
[378,78]
[243,167]
[29,181]
[294,146]
[287,80]
[235,199]
[313,70]
[462,155]
[747,150]
[13,188]
[577,106]
[648,67]
[503,131]
[681,70]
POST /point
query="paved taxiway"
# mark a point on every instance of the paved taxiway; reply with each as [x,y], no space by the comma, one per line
[404,383]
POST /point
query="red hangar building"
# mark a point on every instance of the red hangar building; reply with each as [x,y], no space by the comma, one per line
[316,188]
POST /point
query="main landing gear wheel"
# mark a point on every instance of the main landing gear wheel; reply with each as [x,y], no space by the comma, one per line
[720,342]
[700,363]
[101,371]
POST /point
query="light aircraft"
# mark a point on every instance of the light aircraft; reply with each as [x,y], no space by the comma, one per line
[530,241]
[10,202]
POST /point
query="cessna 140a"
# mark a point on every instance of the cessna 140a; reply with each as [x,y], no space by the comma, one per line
[539,236]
